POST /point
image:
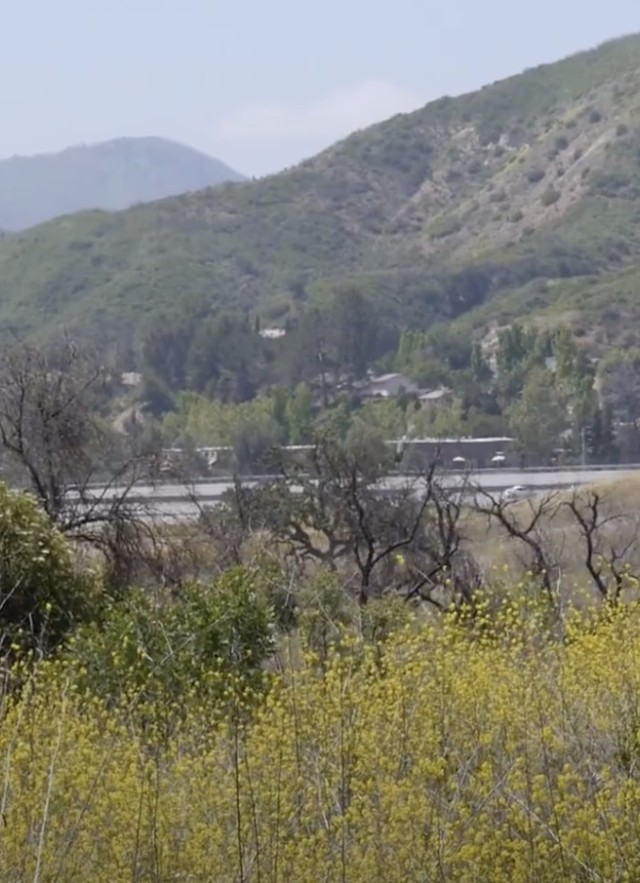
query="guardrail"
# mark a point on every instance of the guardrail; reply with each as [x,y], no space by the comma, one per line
[600,467]
[492,470]
[499,470]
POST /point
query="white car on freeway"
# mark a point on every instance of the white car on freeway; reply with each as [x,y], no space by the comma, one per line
[517,492]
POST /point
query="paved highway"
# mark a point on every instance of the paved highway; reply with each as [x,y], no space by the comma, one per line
[176,500]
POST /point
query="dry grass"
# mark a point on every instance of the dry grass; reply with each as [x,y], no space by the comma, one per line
[560,533]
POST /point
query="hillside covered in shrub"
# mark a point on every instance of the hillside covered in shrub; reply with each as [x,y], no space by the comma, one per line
[519,198]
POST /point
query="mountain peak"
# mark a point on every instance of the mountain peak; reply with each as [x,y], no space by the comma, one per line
[110,175]
[520,198]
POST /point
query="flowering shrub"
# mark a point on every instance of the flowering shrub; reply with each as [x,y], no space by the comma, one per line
[42,594]
[154,656]
[457,751]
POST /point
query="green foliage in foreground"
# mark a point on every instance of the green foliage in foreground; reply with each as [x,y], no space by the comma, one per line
[158,654]
[43,595]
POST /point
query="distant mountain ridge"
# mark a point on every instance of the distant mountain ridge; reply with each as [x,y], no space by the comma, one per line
[521,199]
[111,175]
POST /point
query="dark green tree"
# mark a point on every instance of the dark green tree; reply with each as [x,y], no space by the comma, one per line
[254,440]
[226,358]
[354,331]
[165,350]
[480,370]
[300,415]
[539,417]
[600,437]
[515,346]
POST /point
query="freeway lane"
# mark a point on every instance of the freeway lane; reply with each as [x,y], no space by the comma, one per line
[176,500]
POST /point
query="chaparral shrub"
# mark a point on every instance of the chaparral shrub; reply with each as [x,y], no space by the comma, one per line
[43,595]
[152,656]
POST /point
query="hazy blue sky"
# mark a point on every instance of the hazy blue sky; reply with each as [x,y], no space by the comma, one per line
[264,83]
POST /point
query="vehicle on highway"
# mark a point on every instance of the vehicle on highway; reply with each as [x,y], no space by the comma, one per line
[517,492]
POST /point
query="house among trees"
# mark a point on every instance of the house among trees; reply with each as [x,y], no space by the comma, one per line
[431,397]
[387,386]
[391,385]
[131,378]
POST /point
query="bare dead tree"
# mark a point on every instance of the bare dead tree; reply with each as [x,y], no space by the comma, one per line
[607,539]
[339,511]
[525,525]
[57,444]
[302,508]
[240,514]
[381,532]
[439,563]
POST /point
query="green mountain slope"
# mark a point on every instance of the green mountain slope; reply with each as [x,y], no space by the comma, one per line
[516,196]
[112,175]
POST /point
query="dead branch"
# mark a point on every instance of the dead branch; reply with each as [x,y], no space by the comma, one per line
[607,539]
[524,523]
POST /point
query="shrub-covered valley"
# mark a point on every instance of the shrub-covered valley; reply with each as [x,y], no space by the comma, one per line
[359,663]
